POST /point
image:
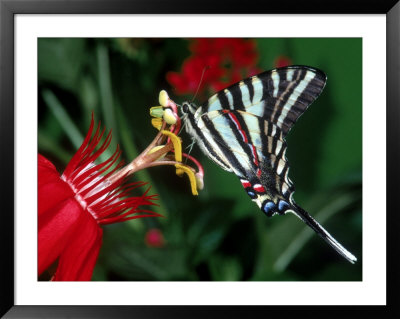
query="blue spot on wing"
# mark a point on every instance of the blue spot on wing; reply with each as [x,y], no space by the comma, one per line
[269,208]
[251,194]
[283,206]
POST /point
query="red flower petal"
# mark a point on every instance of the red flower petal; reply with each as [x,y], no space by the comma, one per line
[77,261]
[52,190]
[55,229]
[47,171]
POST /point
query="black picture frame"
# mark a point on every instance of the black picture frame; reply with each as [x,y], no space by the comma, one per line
[8,11]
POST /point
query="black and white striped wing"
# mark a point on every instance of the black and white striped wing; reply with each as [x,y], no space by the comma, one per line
[243,127]
[253,149]
[279,96]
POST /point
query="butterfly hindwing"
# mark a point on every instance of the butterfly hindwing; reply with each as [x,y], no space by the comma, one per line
[279,96]
[255,153]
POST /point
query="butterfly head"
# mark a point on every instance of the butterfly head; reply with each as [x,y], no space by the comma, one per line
[188,108]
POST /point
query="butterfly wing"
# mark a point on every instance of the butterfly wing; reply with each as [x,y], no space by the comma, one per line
[254,149]
[278,96]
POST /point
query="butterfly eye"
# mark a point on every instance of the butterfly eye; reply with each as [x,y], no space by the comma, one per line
[185,108]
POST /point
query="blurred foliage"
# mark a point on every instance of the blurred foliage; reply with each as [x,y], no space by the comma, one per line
[221,234]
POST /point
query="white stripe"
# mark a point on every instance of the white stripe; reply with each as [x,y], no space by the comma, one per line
[230,98]
[294,96]
[222,125]
[257,109]
[281,166]
[214,104]
[285,188]
[273,133]
[258,89]
[275,79]
[189,129]
[251,123]
[278,147]
[245,94]
[289,75]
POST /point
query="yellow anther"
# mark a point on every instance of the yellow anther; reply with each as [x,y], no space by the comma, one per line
[163,98]
[190,174]
[169,117]
[157,111]
[177,144]
[179,172]
[157,122]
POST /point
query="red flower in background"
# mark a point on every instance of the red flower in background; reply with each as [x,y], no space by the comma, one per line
[282,61]
[73,206]
[223,60]
[154,238]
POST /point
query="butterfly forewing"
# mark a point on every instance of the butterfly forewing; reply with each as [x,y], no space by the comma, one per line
[279,96]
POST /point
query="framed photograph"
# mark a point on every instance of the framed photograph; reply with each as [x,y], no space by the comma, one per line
[148,151]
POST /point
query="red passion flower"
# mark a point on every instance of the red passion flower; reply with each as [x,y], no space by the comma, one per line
[73,206]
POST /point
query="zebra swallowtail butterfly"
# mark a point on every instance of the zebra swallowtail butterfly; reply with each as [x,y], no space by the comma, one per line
[243,128]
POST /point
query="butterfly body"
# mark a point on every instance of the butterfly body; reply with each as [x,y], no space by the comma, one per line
[243,127]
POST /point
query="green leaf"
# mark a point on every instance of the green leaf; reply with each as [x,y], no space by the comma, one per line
[60,61]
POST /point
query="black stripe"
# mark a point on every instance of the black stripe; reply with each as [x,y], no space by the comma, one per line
[280,154]
[245,128]
[280,178]
[224,147]
[245,146]
[236,97]
[269,128]
[283,99]
[274,143]
[223,100]
[200,135]
[264,140]
[243,125]
[204,106]
[250,87]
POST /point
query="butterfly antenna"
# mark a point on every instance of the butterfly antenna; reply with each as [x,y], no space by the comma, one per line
[310,221]
[201,79]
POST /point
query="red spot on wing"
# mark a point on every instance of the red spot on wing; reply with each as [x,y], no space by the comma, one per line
[254,154]
[259,189]
[246,184]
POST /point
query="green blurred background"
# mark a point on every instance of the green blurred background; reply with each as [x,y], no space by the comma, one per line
[221,234]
